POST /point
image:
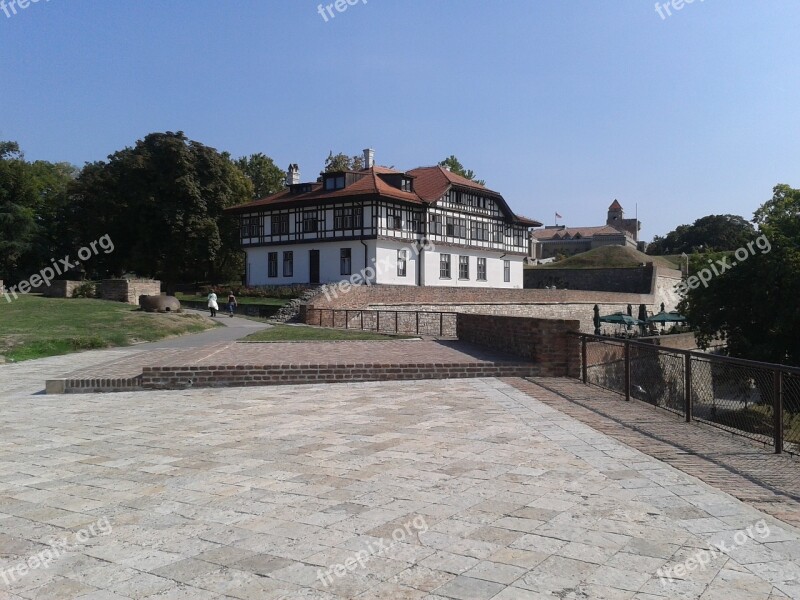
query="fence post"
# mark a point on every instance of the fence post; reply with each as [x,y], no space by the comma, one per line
[361,314]
[627,371]
[584,368]
[441,324]
[777,409]
[347,319]
[396,322]
[687,386]
[417,322]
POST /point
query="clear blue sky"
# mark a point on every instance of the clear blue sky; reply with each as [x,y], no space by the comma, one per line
[559,105]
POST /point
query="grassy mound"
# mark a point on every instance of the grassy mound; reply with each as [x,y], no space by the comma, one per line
[606,257]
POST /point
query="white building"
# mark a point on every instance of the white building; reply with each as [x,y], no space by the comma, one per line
[427,226]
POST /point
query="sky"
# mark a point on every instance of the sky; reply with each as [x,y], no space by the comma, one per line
[560,105]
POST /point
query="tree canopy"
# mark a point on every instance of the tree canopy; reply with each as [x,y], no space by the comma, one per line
[713,232]
[752,303]
[456,167]
[162,203]
[336,163]
[265,176]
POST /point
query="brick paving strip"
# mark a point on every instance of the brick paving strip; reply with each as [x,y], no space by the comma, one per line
[745,469]
[259,364]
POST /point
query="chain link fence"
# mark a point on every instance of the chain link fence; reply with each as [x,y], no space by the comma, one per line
[760,401]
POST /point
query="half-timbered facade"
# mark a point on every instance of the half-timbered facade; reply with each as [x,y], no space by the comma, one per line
[426,226]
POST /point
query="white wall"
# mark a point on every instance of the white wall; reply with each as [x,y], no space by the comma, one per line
[382,257]
[494,268]
[329,265]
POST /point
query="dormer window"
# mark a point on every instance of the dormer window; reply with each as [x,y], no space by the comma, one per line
[405,185]
[334,182]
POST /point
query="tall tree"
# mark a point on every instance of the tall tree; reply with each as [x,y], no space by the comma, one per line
[341,162]
[713,232]
[18,227]
[162,203]
[263,173]
[456,167]
[752,303]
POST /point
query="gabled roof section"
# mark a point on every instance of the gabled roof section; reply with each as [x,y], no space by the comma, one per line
[615,205]
[369,184]
[431,183]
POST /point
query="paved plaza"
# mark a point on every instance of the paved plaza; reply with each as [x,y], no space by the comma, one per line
[450,489]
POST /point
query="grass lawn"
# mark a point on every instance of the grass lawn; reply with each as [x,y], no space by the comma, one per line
[289,333]
[34,327]
[223,299]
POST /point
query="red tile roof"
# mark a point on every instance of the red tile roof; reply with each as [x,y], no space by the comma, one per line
[615,205]
[430,183]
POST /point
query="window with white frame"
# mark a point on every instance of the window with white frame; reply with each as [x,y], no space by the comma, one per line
[345,261]
[444,266]
[481,269]
[288,263]
[394,218]
[272,264]
[351,217]
[280,224]
[310,223]
[402,263]
[463,267]
[507,271]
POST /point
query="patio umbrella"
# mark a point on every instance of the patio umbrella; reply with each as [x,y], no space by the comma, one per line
[667,317]
[620,319]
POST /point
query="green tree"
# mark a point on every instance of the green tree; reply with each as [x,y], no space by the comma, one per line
[713,232]
[752,305]
[162,204]
[456,167]
[336,163]
[263,173]
[18,199]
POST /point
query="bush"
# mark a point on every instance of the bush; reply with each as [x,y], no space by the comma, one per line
[85,290]
[268,291]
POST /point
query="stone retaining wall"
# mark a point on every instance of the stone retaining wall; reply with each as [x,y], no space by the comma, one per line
[128,290]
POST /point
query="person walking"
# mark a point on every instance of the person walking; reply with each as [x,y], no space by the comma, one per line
[231,303]
[212,303]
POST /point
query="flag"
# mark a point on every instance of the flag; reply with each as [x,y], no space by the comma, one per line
[558,216]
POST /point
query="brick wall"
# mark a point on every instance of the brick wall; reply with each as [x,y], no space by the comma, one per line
[538,303]
[544,342]
[129,290]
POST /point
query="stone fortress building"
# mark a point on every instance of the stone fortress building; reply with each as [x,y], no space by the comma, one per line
[556,240]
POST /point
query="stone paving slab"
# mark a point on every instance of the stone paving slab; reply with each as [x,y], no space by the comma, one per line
[737,465]
[422,490]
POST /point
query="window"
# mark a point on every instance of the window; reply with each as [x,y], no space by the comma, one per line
[288,264]
[436,225]
[251,227]
[310,222]
[463,267]
[348,218]
[345,261]
[280,224]
[414,222]
[272,264]
[480,231]
[518,236]
[394,218]
[402,261]
[456,227]
[481,269]
[499,234]
[405,185]
[507,271]
[334,183]
[444,266]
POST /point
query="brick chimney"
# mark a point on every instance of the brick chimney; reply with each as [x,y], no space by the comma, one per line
[293,175]
[369,158]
